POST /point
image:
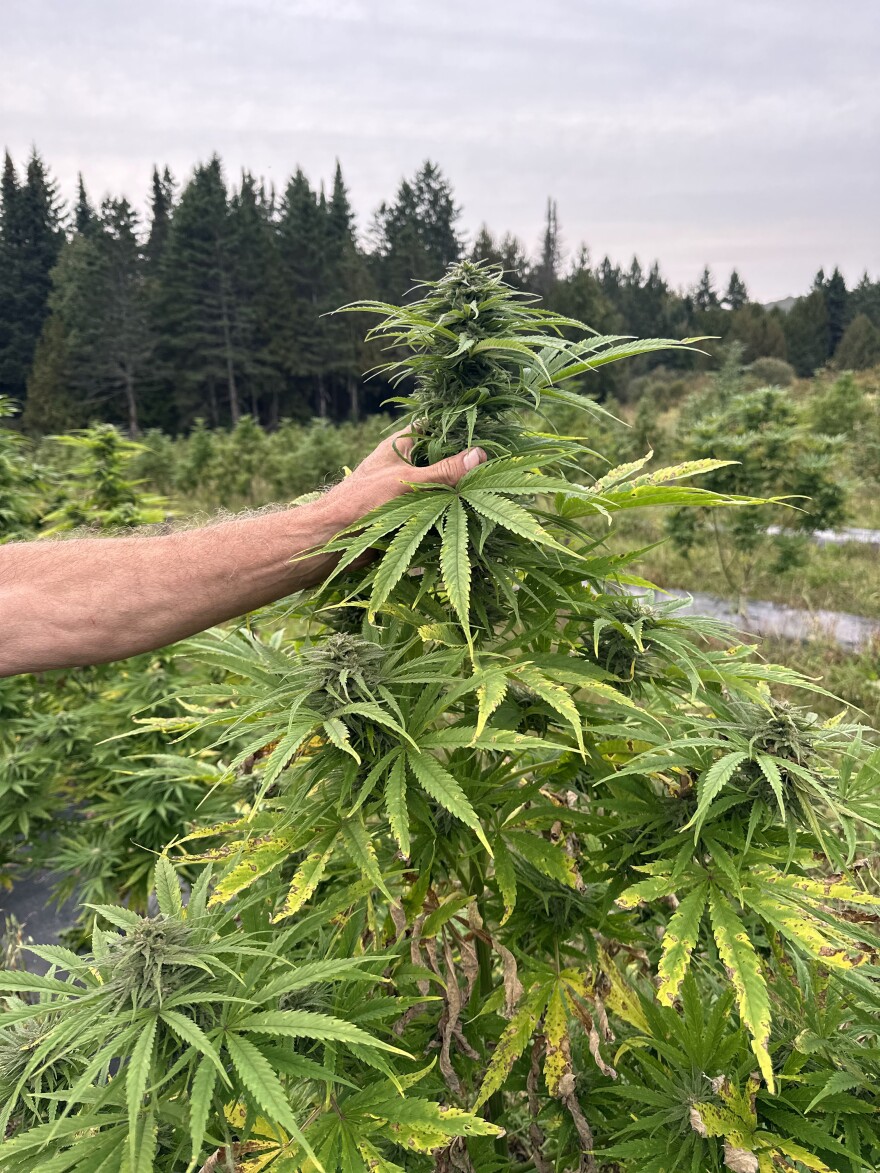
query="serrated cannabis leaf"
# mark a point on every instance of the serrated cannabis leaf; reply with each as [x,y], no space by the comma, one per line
[679,940]
[440,784]
[744,970]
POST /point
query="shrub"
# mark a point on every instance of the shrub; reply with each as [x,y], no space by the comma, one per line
[771,372]
[764,448]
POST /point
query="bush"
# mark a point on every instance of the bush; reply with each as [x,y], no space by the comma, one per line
[771,372]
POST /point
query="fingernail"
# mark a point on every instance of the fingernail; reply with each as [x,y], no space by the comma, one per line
[473,457]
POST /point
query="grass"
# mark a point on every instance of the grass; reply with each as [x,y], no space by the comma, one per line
[832,578]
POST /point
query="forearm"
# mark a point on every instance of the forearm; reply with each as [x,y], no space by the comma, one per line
[90,601]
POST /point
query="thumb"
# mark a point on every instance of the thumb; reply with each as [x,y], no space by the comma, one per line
[450,469]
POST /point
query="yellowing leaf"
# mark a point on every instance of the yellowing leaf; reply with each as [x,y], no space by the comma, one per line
[308,875]
[679,941]
[744,970]
[556,1060]
[261,859]
[513,1041]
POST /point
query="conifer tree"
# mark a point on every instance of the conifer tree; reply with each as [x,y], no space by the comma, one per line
[736,294]
[301,230]
[547,272]
[83,213]
[50,405]
[9,243]
[98,299]
[161,208]
[509,252]
[865,298]
[256,287]
[347,280]
[705,297]
[195,314]
[807,334]
[836,298]
[860,345]
[30,240]
[416,235]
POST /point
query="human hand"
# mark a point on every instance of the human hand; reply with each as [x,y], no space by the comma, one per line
[386,473]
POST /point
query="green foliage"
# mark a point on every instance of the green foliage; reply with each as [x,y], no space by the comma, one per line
[859,346]
[98,493]
[517,870]
[20,481]
[770,451]
[218,306]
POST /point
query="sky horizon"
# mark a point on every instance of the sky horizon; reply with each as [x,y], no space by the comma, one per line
[744,138]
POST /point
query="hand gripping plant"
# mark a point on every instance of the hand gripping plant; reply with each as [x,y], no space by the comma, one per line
[526,871]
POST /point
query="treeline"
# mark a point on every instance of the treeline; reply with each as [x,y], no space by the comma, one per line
[216,306]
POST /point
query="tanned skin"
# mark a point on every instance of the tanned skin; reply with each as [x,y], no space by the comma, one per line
[84,601]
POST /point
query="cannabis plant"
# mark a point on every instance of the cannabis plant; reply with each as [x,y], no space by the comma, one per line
[20,480]
[96,491]
[768,446]
[73,798]
[526,870]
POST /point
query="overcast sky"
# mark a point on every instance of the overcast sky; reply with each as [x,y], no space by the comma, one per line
[737,133]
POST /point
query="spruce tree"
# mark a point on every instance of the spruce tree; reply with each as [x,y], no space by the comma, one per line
[161,208]
[860,345]
[347,280]
[547,272]
[195,314]
[83,213]
[256,293]
[101,323]
[836,307]
[865,298]
[9,245]
[301,231]
[509,252]
[806,333]
[416,236]
[51,406]
[705,297]
[29,246]
[736,295]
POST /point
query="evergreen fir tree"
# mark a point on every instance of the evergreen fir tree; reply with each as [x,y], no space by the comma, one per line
[859,347]
[736,295]
[806,333]
[547,272]
[509,252]
[98,299]
[161,207]
[9,264]
[580,296]
[31,240]
[50,406]
[865,298]
[301,230]
[83,213]
[416,236]
[256,290]
[705,297]
[347,280]
[836,307]
[194,307]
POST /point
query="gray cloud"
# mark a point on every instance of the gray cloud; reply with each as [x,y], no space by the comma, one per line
[743,134]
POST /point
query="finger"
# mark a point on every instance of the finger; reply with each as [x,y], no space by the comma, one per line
[402,442]
[451,469]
